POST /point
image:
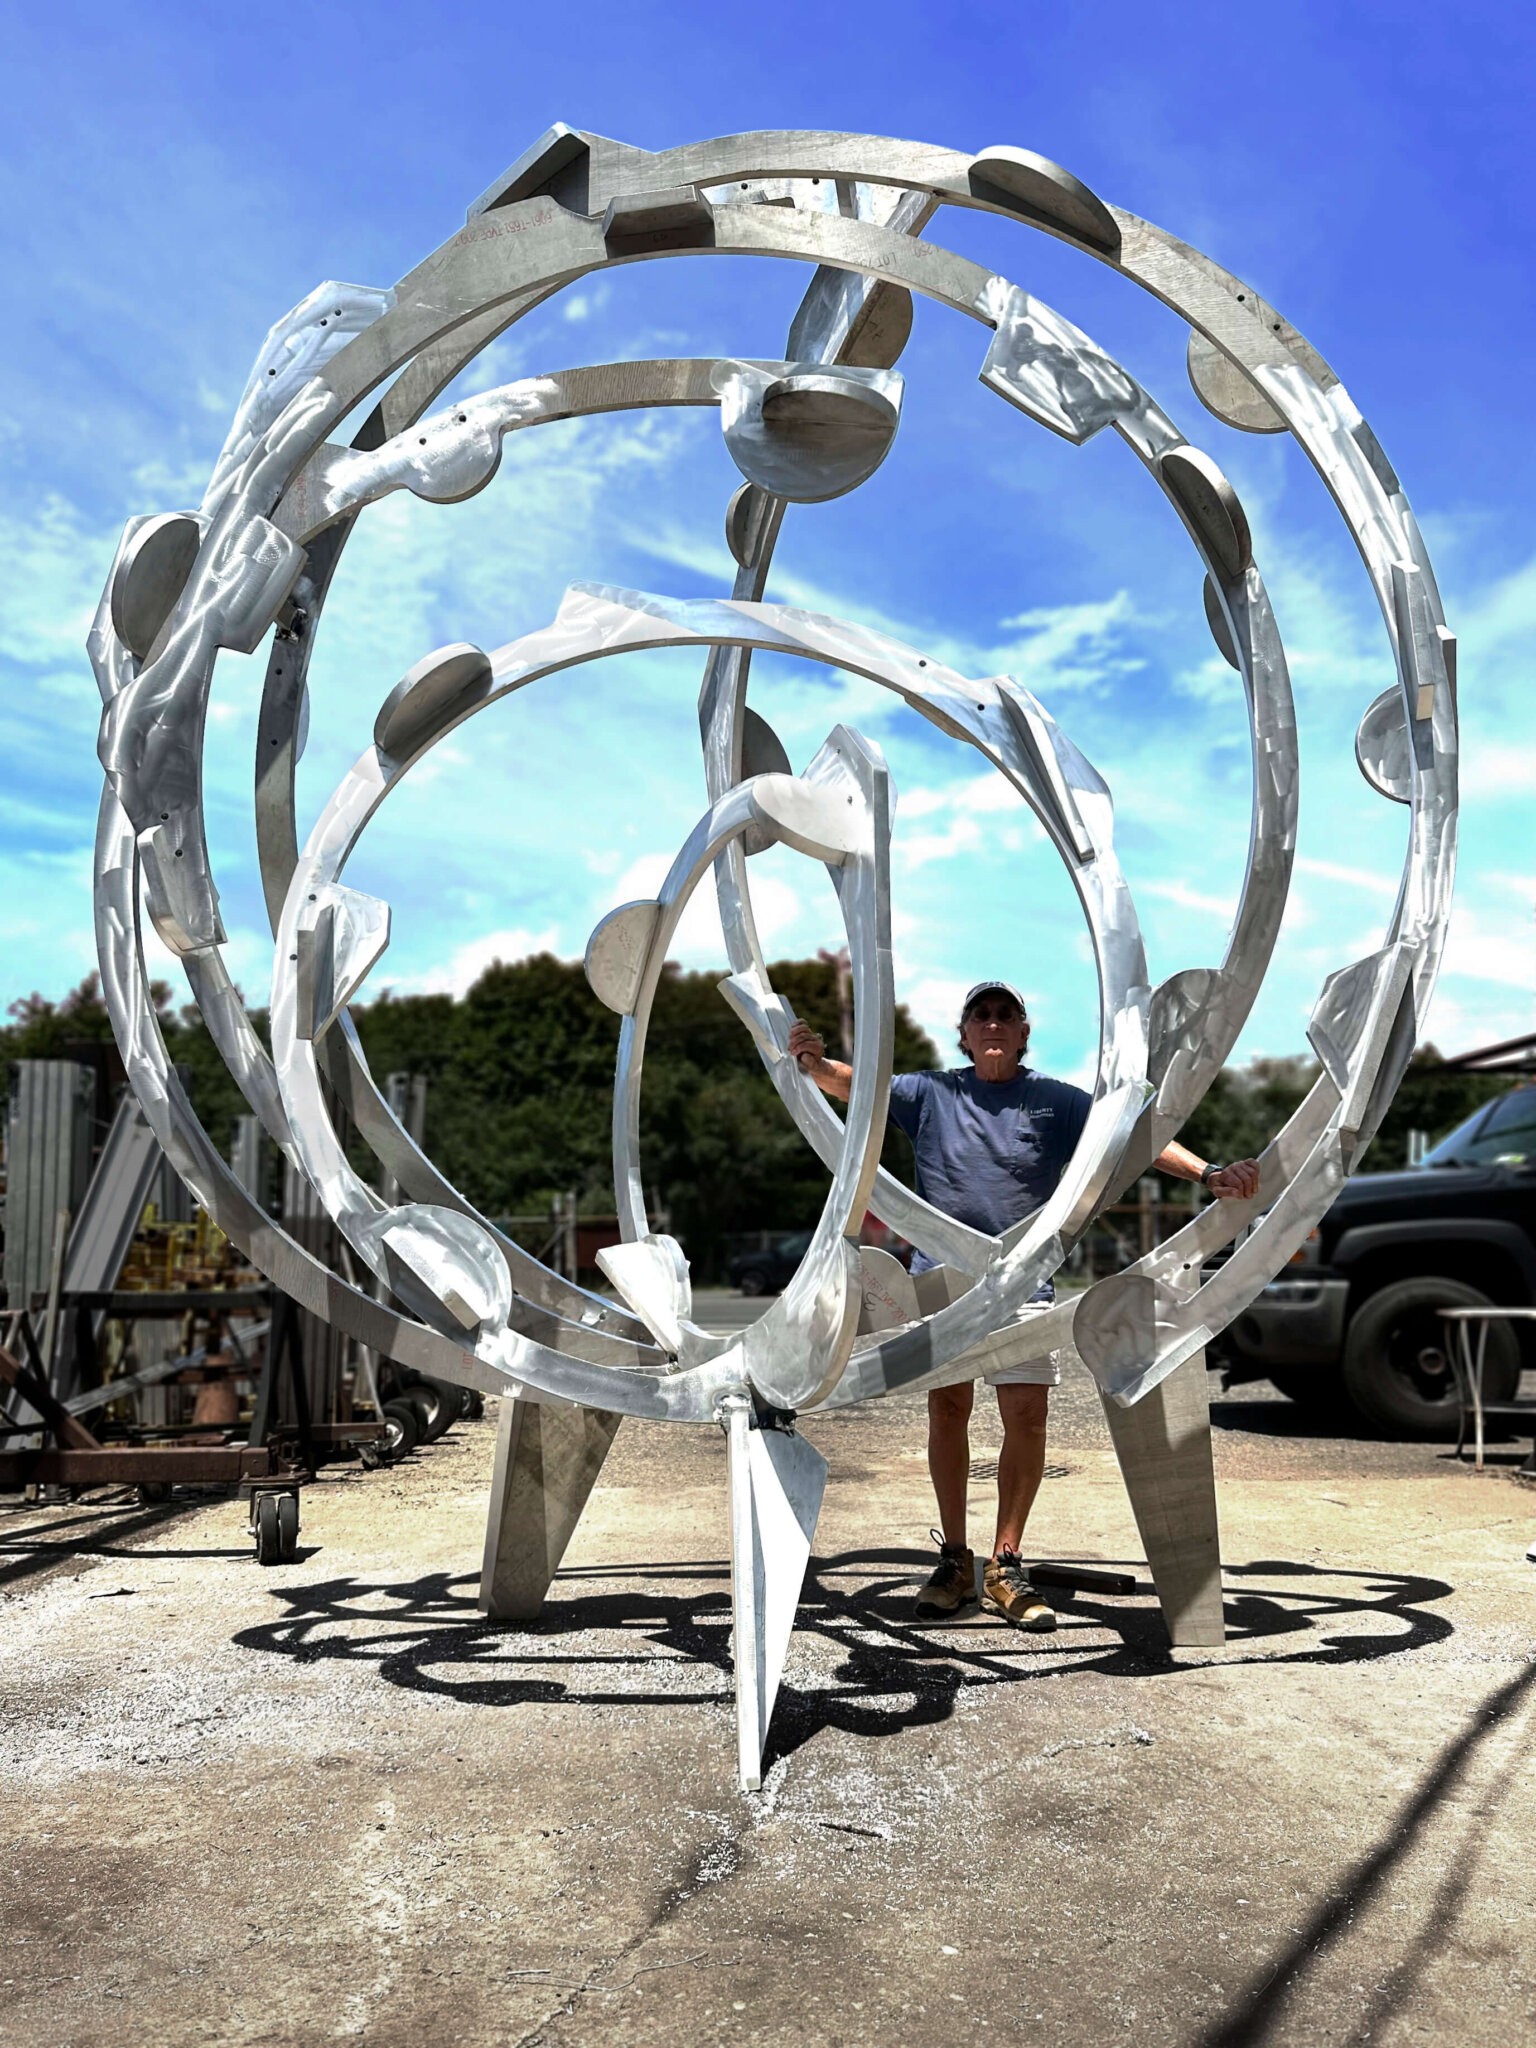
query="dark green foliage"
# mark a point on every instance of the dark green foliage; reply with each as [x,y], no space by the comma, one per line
[41,1030]
[521,1090]
[1429,1100]
[520,1093]
[44,1030]
[1247,1105]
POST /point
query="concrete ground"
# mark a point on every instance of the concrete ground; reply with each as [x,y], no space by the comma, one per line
[324,1801]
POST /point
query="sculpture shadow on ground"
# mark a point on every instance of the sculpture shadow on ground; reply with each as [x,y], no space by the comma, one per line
[659,1635]
[105,1529]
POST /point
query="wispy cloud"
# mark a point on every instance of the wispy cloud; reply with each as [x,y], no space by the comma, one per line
[550,808]
[1354,878]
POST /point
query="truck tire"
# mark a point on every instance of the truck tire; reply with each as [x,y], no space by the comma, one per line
[1395,1368]
[753,1282]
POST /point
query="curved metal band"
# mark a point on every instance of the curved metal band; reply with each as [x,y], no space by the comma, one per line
[996,715]
[509,258]
[1219,1013]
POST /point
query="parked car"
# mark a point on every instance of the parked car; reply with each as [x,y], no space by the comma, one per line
[765,1272]
[1354,1317]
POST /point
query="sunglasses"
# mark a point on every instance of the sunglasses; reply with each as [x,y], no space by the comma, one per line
[994,1013]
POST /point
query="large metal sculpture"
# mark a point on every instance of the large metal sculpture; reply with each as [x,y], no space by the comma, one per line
[459,1299]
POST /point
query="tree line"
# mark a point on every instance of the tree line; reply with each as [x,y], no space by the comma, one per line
[519,1077]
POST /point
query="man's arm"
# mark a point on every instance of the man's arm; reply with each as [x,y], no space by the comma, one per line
[830,1076]
[1237,1182]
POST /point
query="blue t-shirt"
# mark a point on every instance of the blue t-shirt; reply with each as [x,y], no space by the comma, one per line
[988,1152]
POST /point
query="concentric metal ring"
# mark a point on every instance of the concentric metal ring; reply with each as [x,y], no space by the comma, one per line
[263,545]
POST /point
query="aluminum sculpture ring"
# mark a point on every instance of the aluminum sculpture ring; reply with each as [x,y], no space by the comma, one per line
[260,551]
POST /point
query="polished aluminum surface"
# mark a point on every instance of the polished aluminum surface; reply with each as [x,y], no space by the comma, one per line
[256,557]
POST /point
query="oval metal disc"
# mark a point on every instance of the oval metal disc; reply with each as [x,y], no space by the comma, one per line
[151,576]
[811,434]
[428,696]
[1381,747]
[617,953]
[1227,391]
[881,328]
[1212,507]
[762,753]
[1216,619]
[1046,191]
[744,523]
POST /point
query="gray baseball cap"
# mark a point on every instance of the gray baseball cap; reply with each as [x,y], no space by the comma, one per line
[987,988]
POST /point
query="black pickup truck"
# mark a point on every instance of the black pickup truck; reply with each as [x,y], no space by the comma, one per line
[1352,1320]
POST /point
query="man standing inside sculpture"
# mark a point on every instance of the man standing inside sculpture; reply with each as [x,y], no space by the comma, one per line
[992,1140]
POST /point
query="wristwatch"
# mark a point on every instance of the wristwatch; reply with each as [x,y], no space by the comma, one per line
[1208,1172]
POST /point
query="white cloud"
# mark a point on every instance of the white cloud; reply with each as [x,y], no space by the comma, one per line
[1500,954]
[1356,878]
[698,941]
[1500,768]
[468,962]
[1186,898]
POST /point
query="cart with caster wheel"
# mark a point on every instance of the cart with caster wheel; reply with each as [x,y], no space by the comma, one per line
[275,1521]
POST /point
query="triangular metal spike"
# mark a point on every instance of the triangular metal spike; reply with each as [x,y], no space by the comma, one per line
[1163,1443]
[777,1480]
[547,1462]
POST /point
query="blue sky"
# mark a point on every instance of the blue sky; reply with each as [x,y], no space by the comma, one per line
[175,177]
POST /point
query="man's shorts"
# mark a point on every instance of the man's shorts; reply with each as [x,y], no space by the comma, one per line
[1044,1371]
[1024,1369]
[1034,1372]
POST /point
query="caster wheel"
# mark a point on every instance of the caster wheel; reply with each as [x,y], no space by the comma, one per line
[288,1526]
[474,1408]
[153,1493]
[369,1457]
[264,1524]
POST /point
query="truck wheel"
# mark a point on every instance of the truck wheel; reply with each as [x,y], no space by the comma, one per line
[1395,1367]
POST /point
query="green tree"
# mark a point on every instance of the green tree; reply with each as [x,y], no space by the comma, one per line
[1245,1106]
[520,1092]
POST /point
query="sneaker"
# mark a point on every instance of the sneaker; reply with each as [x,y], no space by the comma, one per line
[1009,1591]
[952,1585]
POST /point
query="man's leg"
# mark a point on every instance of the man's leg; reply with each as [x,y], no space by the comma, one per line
[952,1583]
[1020,1469]
[1021,1466]
[949,1454]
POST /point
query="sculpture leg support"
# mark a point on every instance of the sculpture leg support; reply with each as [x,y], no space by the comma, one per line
[1164,1448]
[547,1462]
[777,1480]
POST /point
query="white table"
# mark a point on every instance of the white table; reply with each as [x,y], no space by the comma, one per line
[1467,1363]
